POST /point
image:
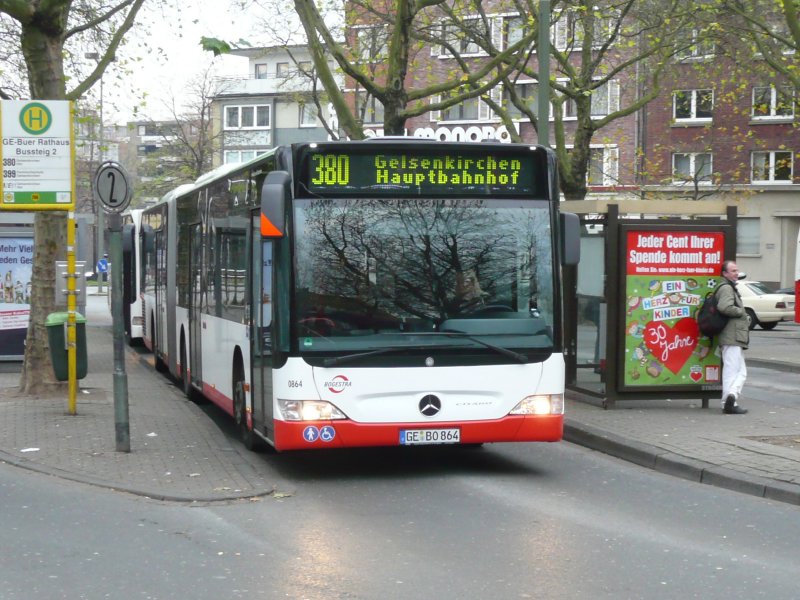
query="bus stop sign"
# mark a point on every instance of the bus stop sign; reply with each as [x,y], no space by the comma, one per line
[112,187]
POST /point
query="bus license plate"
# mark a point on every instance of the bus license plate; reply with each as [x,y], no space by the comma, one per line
[410,437]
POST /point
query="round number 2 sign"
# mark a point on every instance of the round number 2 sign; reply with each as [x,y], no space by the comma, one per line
[112,187]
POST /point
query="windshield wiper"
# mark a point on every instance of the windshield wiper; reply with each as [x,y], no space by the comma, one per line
[337,360]
[521,358]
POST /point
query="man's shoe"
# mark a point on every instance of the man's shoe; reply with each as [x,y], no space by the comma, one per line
[734,410]
[730,402]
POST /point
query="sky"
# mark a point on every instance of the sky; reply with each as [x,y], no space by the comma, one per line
[173,58]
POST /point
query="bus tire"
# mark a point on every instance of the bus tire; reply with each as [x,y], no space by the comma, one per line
[249,438]
[186,380]
[161,366]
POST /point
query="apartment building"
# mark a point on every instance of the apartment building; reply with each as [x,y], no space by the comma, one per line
[725,127]
[278,103]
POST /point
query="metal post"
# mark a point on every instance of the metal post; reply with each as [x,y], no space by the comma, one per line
[121,419]
[100,211]
[72,362]
[100,226]
[543,52]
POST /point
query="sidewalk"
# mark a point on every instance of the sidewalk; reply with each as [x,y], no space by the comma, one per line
[758,453]
[178,453]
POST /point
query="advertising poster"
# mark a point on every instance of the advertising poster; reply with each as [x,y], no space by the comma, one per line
[16,261]
[668,274]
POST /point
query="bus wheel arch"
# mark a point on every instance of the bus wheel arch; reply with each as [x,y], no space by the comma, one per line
[249,438]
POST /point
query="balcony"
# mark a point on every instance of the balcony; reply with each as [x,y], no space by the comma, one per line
[250,86]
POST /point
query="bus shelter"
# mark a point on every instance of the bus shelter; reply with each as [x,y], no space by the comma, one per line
[630,328]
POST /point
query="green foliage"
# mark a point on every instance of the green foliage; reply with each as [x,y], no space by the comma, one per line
[219,47]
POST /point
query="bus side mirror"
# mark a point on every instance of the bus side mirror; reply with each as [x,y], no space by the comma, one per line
[275,194]
[147,242]
[570,239]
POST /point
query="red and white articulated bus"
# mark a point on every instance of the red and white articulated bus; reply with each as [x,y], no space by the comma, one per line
[367,293]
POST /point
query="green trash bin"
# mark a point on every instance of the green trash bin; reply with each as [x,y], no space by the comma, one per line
[56,324]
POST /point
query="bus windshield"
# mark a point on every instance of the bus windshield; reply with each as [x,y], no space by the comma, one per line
[417,273]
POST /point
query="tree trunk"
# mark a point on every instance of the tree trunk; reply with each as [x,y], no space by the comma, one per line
[573,176]
[37,369]
[42,46]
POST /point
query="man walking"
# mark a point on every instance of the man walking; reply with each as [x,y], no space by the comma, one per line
[733,339]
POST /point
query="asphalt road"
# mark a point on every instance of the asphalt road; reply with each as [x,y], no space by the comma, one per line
[546,521]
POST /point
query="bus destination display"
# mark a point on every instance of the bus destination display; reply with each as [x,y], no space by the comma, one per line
[471,173]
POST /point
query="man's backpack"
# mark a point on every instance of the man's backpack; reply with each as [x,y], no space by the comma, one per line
[710,321]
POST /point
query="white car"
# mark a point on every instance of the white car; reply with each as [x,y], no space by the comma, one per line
[765,307]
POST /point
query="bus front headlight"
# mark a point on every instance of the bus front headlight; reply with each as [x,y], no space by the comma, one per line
[540,404]
[309,410]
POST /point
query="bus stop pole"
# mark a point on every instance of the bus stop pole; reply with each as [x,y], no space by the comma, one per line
[72,337]
[121,417]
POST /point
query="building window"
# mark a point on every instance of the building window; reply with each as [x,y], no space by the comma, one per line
[528,94]
[282,70]
[514,29]
[466,110]
[463,37]
[142,130]
[694,47]
[772,167]
[305,67]
[239,156]
[308,115]
[372,43]
[368,108]
[605,100]
[772,102]
[568,30]
[603,166]
[748,235]
[692,105]
[261,71]
[247,117]
[691,167]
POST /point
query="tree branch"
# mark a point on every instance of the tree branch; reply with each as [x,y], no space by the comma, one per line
[110,52]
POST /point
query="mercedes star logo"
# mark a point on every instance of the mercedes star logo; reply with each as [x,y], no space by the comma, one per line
[430,405]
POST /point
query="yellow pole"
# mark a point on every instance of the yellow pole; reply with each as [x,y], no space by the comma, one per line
[71,309]
[72,294]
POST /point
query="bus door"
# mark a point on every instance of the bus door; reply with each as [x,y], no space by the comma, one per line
[261,294]
[159,327]
[196,302]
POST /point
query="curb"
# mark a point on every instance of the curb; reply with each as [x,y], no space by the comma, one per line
[23,463]
[775,365]
[670,463]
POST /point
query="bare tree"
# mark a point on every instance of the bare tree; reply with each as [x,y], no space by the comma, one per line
[607,59]
[188,140]
[51,35]
[773,29]
[382,56]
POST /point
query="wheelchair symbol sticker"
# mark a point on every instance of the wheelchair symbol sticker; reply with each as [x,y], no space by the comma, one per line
[311,434]
[327,433]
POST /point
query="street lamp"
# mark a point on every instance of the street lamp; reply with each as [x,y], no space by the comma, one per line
[100,213]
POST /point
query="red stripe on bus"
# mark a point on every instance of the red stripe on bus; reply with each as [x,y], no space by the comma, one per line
[219,399]
[349,434]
